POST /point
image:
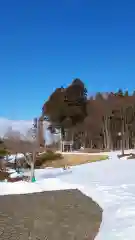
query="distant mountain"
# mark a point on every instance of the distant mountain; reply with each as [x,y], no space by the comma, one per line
[21,127]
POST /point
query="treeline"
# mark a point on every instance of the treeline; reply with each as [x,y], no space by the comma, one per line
[105,121]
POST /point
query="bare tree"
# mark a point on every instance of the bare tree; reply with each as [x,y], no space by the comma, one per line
[3,152]
[12,140]
[33,149]
[27,145]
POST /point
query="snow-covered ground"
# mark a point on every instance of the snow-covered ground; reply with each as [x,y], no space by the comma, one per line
[11,158]
[110,183]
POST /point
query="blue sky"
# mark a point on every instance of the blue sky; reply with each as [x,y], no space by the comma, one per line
[44,44]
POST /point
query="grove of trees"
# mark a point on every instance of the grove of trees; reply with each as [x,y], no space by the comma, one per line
[103,121]
[13,143]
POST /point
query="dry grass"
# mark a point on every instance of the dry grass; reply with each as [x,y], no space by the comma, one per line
[52,215]
[73,160]
[3,175]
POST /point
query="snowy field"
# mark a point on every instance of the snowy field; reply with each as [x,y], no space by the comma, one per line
[110,183]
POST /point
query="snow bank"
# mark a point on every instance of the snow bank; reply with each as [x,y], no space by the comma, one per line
[11,158]
[16,174]
[110,183]
[21,187]
[83,153]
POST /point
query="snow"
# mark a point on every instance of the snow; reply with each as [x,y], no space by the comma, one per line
[110,183]
[9,170]
[21,187]
[11,158]
[16,174]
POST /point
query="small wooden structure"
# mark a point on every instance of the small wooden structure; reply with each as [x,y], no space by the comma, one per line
[67,146]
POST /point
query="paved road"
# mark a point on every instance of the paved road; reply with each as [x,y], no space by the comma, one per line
[59,215]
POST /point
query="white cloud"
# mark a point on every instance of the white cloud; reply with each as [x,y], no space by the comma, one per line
[19,125]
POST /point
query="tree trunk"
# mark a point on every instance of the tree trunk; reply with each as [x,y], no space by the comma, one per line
[15,163]
[122,137]
[91,143]
[127,138]
[32,166]
[107,134]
